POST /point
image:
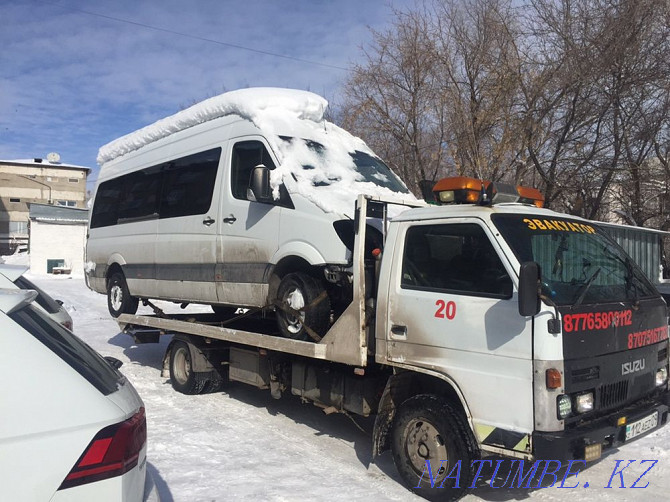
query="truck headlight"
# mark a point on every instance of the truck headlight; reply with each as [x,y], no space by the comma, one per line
[584,402]
[661,376]
[564,406]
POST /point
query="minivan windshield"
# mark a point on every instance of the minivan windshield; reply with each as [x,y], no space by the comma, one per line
[328,165]
[579,263]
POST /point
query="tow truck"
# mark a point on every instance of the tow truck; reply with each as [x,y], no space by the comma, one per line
[489,328]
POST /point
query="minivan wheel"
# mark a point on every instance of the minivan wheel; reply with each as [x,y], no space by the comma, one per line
[306,295]
[119,300]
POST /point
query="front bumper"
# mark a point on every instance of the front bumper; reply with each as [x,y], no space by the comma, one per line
[571,444]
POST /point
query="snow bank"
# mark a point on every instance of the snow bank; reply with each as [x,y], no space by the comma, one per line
[256,104]
[317,163]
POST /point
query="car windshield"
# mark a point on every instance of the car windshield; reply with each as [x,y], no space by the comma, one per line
[326,166]
[579,263]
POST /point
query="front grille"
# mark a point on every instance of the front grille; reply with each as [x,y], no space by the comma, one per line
[586,374]
[612,394]
[662,354]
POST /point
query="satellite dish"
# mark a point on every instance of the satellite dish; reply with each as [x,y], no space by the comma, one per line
[53,157]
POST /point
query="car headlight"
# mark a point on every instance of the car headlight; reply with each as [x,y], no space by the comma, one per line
[564,406]
[661,376]
[584,402]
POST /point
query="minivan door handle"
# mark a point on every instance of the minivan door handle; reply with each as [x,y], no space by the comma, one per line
[231,219]
[208,221]
[398,331]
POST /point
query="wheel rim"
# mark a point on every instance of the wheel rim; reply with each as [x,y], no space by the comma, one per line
[424,442]
[295,299]
[116,296]
[181,366]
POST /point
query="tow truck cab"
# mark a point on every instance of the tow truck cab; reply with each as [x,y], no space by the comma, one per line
[551,338]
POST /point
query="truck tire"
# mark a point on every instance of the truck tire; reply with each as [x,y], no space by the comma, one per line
[308,296]
[182,376]
[119,300]
[430,428]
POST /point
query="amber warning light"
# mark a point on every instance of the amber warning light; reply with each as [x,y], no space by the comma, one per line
[465,190]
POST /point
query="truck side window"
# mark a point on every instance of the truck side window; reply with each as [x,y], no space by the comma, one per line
[246,156]
[456,258]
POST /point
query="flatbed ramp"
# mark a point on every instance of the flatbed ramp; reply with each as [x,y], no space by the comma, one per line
[132,324]
[345,342]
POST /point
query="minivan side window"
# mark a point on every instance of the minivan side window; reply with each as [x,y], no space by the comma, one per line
[188,184]
[457,258]
[139,196]
[181,187]
[246,156]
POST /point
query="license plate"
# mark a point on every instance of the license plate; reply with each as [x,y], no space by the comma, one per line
[641,426]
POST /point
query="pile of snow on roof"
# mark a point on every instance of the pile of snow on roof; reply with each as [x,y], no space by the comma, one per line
[255,104]
[326,174]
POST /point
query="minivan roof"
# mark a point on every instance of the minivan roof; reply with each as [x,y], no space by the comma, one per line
[264,106]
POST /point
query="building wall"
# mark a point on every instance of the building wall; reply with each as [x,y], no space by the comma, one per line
[49,241]
[21,185]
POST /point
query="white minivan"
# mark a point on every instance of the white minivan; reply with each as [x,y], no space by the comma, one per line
[243,200]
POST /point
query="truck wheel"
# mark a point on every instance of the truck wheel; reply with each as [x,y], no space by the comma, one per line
[307,295]
[119,300]
[182,376]
[428,428]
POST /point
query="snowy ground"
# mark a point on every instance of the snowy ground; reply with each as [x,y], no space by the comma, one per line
[242,444]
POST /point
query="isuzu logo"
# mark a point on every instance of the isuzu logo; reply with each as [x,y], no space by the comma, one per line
[632,367]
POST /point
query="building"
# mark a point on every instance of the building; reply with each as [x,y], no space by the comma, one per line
[35,181]
[57,239]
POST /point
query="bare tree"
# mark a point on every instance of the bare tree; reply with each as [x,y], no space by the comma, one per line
[392,100]
[570,96]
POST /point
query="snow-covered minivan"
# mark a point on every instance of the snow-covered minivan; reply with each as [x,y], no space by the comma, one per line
[243,200]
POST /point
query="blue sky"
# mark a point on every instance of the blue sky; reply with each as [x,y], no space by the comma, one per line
[75,75]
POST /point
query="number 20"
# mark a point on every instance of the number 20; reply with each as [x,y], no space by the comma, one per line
[445,310]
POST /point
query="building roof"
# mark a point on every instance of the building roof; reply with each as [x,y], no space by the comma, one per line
[43,163]
[60,215]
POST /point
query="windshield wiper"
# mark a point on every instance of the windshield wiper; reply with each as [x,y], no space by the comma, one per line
[586,287]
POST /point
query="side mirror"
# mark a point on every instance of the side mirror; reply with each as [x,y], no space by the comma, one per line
[529,297]
[259,185]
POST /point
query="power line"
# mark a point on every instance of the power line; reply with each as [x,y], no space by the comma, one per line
[195,37]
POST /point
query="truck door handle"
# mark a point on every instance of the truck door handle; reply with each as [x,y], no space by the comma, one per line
[231,219]
[399,330]
[208,221]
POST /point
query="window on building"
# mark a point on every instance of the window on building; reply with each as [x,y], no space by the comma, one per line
[18,227]
[456,258]
[66,203]
[14,199]
[73,180]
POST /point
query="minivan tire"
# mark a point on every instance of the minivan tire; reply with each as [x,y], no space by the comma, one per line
[119,300]
[300,292]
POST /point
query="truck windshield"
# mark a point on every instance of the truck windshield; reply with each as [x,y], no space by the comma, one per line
[579,263]
[331,165]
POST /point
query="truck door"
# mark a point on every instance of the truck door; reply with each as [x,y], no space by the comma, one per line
[453,310]
[249,230]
